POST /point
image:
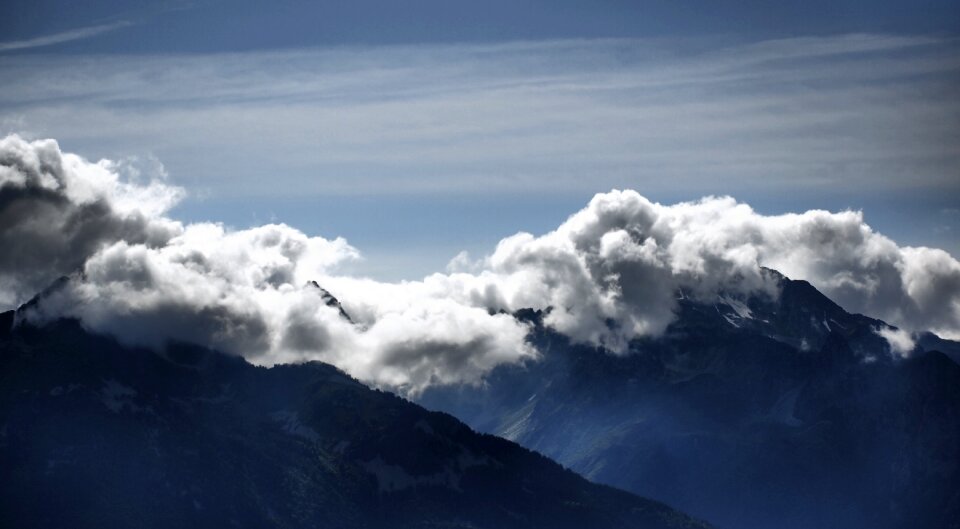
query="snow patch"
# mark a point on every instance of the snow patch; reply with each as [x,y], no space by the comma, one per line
[222,397]
[393,478]
[739,307]
[730,321]
[516,424]
[290,423]
[60,390]
[782,410]
[115,396]
[423,426]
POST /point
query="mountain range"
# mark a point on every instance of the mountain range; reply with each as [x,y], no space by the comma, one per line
[751,411]
[97,434]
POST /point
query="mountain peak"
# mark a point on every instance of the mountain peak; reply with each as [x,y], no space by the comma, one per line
[798,315]
[330,300]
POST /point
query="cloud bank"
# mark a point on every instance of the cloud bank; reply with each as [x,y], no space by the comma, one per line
[607,274]
[623,258]
[147,279]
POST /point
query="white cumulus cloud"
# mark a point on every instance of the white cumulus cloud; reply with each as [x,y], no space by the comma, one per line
[608,274]
[148,280]
[622,259]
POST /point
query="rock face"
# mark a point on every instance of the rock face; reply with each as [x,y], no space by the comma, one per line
[751,412]
[96,434]
[330,300]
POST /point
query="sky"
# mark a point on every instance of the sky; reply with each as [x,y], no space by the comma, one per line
[193,168]
[417,130]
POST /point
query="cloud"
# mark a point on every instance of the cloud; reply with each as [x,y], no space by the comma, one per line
[57,210]
[248,292]
[149,280]
[901,342]
[608,274]
[622,258]
[612,270]
[65,36]
[810,114]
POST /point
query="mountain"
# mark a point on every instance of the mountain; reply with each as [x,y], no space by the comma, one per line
[750,411]
[330,300]
[94,433]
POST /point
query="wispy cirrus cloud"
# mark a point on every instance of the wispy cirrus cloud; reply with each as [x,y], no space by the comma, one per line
[63,36]
[839,112]
[856,121]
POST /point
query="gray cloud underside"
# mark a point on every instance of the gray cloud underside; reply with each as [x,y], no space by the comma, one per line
[57,210]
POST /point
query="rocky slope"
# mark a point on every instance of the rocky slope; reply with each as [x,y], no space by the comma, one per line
[752,412]
[97,434]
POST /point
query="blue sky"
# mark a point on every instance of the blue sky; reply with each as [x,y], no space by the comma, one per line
[232,25]
[419,129]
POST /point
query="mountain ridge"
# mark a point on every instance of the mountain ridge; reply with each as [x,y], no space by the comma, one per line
[95,433]
[750,411]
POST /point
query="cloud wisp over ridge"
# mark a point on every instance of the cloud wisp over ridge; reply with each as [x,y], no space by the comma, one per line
[609,273]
